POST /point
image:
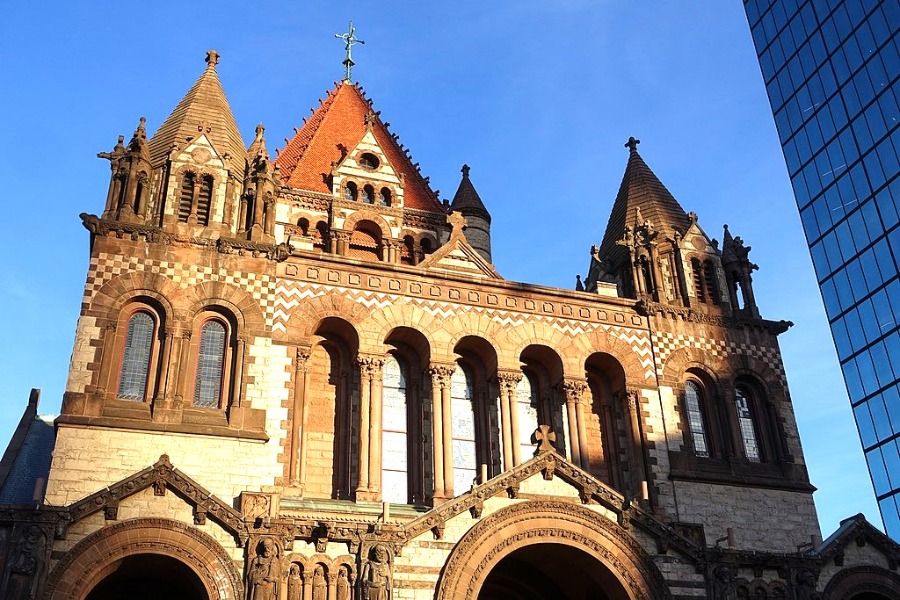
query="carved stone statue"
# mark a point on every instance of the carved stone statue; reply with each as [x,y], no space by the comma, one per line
[25,563]
[376,575]
[295,583]
[342,587]
[722,583]
[319,585]
[264,572]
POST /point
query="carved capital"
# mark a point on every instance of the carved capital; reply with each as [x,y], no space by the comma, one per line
[370,366]
[509,380]
[441,374]
[302,356]
[632,398]
[574,390]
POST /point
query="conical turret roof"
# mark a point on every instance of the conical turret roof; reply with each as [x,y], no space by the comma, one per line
[641,193]
[203,110]
[335,128]
[467,201]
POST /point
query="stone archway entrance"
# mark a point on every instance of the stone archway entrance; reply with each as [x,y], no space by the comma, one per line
[149,577]
[145,559]
[549,549]
[551,571]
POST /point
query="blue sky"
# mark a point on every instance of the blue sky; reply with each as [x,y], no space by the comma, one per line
[537,97]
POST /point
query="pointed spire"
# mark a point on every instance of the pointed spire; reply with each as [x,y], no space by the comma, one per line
[138,143]
[204,110]
[466,200]
[641,196]
[258,148]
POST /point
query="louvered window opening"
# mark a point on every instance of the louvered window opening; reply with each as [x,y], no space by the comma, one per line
[709,280]
[699,287]
[136,358]
[204,200]
[210,361]
[186,198]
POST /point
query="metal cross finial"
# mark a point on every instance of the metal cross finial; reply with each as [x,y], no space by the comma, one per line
[632,144]
[212,58]
[349,39]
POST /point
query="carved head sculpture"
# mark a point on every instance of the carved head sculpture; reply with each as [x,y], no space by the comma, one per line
[380,554]
[267,548]
[295,570]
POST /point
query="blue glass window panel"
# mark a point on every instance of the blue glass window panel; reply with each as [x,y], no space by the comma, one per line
[855,330]
[870,268]
[858,287]
[886,208]
[891,398]
[858,229]
[829,296]
[882,365]
[851,376]
[892,463]
[886,263]
[866,313]
[860,183]
[876,469]
[874,170]
[879,26]
[883,311]
[890,515]
[842,290]
[832,248]
[820,263]
[871,220]
[841,338]
[864,424]
[867,373]
[892,347]
[883,429]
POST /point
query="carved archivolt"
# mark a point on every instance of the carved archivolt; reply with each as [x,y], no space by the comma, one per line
[83,566]
[517,526]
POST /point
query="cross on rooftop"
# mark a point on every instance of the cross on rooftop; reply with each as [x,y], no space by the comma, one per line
[545,438]
[212,58]
[632,144]
[349,39]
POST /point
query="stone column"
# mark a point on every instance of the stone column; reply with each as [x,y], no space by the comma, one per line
[364,424]
[574,393]
[635,440]
[342,238]
[183,367]
[509,381]
[161,387]
[297,464]
[237,381]
[447,421]
[440,379]
[375,394]
[572,420]
[307,584]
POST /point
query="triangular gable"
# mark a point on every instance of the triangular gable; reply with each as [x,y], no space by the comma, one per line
[857,531]
[337,125]
[163,476]
[550,465]
[201,150]
[457,255]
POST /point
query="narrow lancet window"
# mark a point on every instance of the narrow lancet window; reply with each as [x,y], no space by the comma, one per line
[693,405]
[136,358]
[746,424]
[210,362]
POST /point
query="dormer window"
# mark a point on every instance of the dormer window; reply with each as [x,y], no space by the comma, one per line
[368,161]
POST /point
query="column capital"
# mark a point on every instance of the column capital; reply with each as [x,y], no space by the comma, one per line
[370,364]
[509,380]
[574,389]
[302,356]
[441,373]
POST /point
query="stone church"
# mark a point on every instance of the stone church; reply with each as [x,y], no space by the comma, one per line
[301,377]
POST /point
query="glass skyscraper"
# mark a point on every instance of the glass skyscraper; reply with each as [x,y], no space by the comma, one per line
[831,70]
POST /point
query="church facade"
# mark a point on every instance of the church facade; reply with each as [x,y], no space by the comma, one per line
[302,377]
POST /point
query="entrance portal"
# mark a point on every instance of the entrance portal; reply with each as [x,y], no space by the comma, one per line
[149,577]
[551,572]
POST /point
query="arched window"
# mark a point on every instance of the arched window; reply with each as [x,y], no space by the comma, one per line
[320,236]
[365,242]
[136,357]
[210,364]
[747,419]
[350,192]
[427,246]
[462,407]
[527,407]
[694,408]
[303,224]
[368,194]
[186,197]
[384,197]
[204,199]
[368,161]
[395,451]
[407,256]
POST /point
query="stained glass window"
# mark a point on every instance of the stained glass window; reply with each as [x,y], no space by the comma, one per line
[694,410]
[136,358]
[745,422]
[208,382]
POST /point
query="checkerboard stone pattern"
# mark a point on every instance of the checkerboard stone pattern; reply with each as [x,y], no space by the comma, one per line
[105,267]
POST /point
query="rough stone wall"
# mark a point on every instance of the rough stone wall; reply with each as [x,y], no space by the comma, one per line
[763,519]
[88,459]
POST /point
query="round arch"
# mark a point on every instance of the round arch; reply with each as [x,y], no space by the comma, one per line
[861,582]
[85,565]
[548,522]
[353,220]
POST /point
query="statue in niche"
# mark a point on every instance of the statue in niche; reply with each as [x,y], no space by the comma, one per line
[342,587]
[264,572]
[376,575]
[295,583]
[25,563]
[723,584]
[319,585]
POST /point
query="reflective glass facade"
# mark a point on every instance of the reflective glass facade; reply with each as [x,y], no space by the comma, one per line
[831,70]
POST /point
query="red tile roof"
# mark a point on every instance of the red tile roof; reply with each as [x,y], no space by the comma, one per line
[305,163]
